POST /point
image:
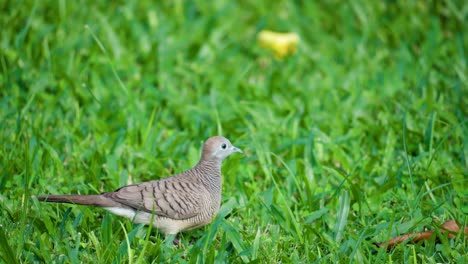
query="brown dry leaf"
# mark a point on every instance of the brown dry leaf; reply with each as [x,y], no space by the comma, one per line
[450,226]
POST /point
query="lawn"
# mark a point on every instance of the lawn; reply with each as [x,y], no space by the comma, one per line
[359,136]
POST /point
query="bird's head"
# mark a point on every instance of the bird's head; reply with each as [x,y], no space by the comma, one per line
[218,148]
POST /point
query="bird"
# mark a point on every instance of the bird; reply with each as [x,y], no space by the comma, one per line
[184,201]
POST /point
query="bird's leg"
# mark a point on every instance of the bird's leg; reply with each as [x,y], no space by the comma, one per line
[177,242]
[171,239]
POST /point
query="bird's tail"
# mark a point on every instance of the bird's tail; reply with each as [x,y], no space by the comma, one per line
[92,200]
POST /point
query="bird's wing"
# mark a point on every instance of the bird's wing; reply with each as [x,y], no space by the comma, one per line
[171,198]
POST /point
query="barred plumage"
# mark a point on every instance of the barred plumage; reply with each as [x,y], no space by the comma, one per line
[183,201]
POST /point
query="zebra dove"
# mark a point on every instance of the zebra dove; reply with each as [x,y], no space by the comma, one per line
[181,202]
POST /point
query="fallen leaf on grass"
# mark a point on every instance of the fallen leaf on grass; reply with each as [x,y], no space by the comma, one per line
[282,44]
[450,226]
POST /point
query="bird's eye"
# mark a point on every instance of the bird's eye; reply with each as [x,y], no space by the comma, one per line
[223,146]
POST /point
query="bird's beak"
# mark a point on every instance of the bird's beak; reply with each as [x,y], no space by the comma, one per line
[234,149]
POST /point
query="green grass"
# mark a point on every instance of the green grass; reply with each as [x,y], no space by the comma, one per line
[358,137]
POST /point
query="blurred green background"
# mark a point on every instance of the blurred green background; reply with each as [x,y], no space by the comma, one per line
[356,138]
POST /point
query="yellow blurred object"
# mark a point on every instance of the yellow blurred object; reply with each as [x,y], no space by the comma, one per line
[282,44]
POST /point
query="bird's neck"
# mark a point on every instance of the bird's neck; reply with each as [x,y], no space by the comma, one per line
[209,173]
